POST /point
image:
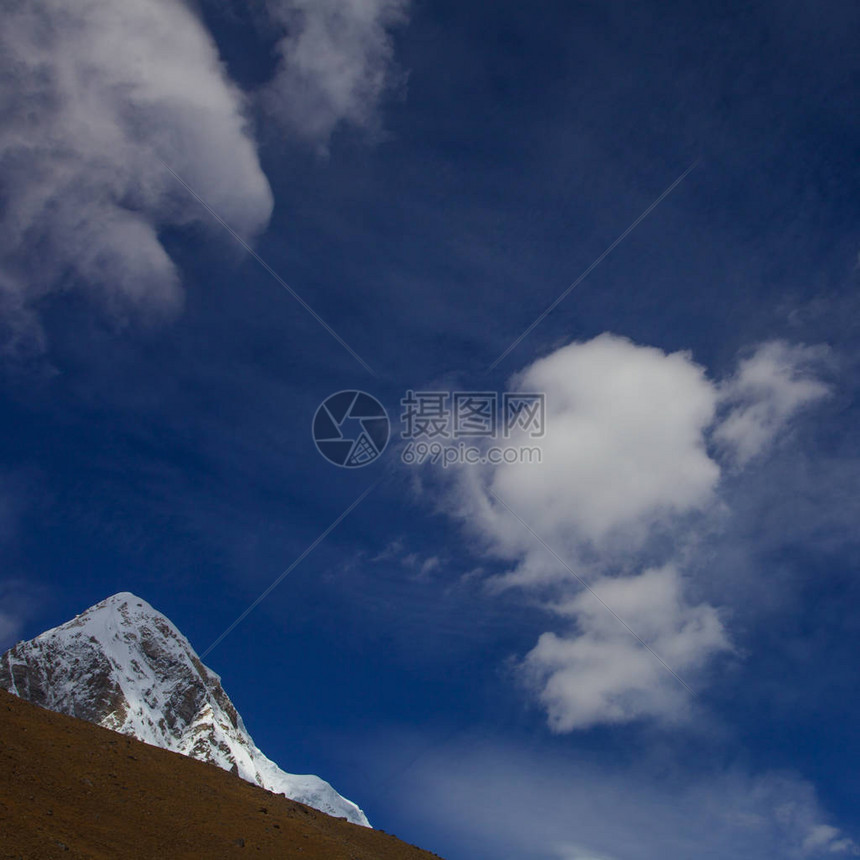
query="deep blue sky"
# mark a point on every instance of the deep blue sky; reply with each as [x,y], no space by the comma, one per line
[174,459]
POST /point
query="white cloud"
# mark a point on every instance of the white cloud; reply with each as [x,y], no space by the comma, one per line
[21,333]
[336,62]
[626,472]
[624,450]
[769,388]
[598,673]
[420,567]
[577,852]
[624,457]
[94,93]
[508,802]
[823,838]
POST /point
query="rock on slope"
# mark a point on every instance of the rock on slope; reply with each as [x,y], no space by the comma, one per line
[126,667]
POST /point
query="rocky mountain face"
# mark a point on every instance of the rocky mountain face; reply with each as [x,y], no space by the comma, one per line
[126,667]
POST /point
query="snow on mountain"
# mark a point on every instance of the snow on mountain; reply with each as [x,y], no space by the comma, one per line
[126,667]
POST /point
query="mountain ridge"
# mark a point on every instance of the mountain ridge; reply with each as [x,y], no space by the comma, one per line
[125,666]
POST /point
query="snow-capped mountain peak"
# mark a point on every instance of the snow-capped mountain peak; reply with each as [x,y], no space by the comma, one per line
[125,666]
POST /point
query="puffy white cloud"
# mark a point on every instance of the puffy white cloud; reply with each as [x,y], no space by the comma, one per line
[600,673]
[627,468]
[97,94]
[624,446]
[94,95]
[336,61]
[769,388]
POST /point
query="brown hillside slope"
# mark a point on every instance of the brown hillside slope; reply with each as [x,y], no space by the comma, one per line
[69,789]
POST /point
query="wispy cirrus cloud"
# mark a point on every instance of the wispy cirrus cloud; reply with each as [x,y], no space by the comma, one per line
[508,803]
[336,61]
[770,387]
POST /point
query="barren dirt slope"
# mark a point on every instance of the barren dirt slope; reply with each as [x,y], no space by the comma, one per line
[69,789]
